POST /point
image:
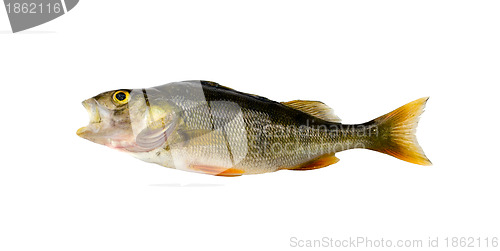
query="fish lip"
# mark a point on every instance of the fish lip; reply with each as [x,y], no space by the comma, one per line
[94,118]
[93,110]
[81,131]
[90,128]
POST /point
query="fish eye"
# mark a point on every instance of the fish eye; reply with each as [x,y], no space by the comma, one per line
[121,97]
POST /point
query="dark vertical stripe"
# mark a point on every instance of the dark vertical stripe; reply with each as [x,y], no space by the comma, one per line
[148,105]
[223,129]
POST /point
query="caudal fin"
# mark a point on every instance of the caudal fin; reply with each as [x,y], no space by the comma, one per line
[396,133]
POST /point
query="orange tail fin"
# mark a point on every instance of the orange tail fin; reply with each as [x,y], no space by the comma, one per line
[396,133]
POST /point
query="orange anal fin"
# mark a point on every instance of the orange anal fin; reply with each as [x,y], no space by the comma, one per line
[317,163]
[218,171]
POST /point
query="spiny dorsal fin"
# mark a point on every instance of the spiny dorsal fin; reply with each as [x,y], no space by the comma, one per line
[216,85]
[219,86]
[314,108]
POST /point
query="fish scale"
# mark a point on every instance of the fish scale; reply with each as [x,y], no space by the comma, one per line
[201,126]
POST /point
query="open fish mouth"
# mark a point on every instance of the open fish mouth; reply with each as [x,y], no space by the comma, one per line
[99,130]
[93,111]
[94,118]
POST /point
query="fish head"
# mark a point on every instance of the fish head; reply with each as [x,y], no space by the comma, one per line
[117,119]
[109,117]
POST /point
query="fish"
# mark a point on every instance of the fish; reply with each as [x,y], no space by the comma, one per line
[204,127]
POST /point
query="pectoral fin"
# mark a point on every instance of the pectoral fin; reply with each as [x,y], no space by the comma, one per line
[188,135]
[320,162]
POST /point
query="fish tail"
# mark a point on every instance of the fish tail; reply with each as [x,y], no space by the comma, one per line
[396,133]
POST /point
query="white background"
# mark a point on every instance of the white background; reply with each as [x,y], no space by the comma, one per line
[363,58]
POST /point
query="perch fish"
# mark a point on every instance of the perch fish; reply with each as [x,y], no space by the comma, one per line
[204,127]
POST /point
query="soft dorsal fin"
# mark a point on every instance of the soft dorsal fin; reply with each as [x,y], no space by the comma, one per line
[314,108]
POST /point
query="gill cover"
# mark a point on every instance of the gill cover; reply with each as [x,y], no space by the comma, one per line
[156,133]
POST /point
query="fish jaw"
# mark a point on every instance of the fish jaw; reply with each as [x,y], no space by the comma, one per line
[87,132]
[99,130]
